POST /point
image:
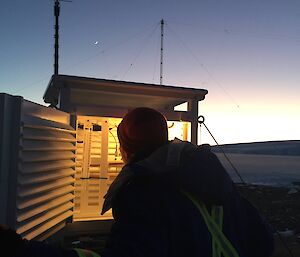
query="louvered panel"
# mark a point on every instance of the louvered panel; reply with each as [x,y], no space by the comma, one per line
[88,154]
[29,213]
[41,170]
[79,165]
[89,199]
[101,146]
[45,181]
[79,161]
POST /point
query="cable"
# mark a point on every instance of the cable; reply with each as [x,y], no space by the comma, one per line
[110,48]
[232,32]
[30,85]
[284,243]
[201,120]
[204,67]
[140,51]
[116,142]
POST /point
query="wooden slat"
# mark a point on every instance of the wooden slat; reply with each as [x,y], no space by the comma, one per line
[48,156]
[35,145]
[117,162]
[47,216]
[48,128]
[21,204]
[51,231]
[45,138]
[50,185]
[50,121]
[43,177]
[45,149]
[47,225]
[46,166]
[26,214]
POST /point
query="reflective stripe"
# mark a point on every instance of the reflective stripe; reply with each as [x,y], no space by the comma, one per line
[86,253]
[217,216]
[222,244]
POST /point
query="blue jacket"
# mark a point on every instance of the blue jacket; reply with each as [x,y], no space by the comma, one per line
[154,218]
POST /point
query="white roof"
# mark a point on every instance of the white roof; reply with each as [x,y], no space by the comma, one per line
[124,94]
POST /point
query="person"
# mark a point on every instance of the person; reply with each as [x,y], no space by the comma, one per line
[173,198]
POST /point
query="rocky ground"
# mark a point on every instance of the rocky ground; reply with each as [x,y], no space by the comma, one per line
[281,208]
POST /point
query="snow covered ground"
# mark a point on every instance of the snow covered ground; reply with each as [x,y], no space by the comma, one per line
[277,170]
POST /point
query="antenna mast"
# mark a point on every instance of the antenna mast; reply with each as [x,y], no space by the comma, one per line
[161,49]
[56,14]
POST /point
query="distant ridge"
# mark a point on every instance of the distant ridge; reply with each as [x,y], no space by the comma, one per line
[289,147]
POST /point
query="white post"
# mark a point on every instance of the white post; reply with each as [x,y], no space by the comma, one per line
[193,109]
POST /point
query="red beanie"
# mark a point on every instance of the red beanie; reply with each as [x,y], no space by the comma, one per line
[142,129]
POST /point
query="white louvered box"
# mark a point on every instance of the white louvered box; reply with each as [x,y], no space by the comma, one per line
[56,163]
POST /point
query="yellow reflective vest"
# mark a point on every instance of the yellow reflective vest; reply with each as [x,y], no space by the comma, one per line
[86,253]
[214,222]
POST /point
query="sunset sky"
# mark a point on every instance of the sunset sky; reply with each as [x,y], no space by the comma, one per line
[246,53]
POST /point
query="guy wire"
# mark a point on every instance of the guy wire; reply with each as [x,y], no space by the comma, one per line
[201,121]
